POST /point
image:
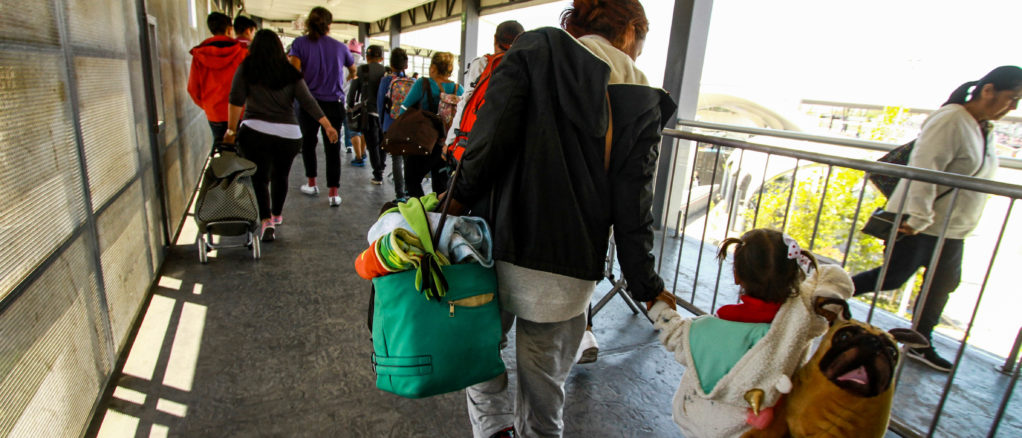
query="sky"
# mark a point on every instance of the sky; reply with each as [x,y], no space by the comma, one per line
[909,53]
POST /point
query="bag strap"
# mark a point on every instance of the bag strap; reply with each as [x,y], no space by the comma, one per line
[982,162]
[429,91]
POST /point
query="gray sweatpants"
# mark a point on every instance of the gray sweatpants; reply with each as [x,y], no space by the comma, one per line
[544,353]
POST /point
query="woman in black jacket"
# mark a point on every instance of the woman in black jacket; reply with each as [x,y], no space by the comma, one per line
[538,147]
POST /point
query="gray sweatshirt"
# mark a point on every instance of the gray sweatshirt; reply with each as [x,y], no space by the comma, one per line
[950,141]
[268,105]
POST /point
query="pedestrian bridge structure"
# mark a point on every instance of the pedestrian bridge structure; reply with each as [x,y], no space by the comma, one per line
[110,326]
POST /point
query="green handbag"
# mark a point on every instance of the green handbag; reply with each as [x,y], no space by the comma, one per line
[436,329]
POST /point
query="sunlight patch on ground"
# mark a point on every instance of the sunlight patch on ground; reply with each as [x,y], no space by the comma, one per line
[197,289]
[115,424]
[185,352]
[172,408]
[129,395]
[145,352]
[170,283]
[159,431]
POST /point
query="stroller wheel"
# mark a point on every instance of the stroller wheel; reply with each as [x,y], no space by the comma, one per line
[201,243]
[256,252]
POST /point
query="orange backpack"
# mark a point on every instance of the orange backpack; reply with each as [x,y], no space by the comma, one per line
[468,115]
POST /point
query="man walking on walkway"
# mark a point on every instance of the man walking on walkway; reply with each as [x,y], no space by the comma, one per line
[369,76]
[213,65]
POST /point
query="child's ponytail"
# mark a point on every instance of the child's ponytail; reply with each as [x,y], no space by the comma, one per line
[766,265]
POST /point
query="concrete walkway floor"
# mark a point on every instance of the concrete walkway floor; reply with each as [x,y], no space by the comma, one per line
[280,347]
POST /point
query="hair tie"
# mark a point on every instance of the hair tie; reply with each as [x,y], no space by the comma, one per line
[795,253]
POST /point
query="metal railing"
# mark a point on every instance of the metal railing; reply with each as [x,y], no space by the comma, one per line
[1006,162]
[788,189]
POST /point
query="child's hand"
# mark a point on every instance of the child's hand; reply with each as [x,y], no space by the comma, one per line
[666,297]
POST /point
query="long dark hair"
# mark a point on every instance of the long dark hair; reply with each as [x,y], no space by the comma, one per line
[266,64]
[318,23]
[1005,77]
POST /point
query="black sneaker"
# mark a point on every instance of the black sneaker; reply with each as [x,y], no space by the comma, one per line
[929,357]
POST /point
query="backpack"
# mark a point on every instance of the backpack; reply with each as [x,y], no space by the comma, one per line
[468,114]
[448,106]
[399,87]
[358,112]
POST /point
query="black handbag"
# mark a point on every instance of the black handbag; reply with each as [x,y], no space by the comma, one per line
[898,155]
[880,223]
[415,131]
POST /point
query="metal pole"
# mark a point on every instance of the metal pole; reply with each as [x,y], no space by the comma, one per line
[819,209]
[395,31]
[706,224]
[891,241]
[924,293]
[855,220]
[972,320]
[759,197]
[727,226]
[791,195]
[469,35]
[1010,364]
[1004,404]
[690,27]
[681,242]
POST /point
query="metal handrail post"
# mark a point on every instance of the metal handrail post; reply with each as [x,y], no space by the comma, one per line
[1004,404]
[972,319]
[1011,363]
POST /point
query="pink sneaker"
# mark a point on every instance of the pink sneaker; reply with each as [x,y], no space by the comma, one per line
[268,231]
[276,220]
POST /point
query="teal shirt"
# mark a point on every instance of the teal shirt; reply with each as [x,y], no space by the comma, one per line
[717,345]
[417,94]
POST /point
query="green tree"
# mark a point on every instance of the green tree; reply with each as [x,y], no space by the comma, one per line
[838,208]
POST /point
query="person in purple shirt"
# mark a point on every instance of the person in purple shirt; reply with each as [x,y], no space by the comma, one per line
[322,61]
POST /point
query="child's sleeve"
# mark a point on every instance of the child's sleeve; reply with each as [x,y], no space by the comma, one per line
[673,330]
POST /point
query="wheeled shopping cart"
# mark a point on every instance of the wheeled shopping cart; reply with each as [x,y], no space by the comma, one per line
[226,205]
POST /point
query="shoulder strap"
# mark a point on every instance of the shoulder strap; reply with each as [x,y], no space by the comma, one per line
[982,162]
[610,134]
[428,83]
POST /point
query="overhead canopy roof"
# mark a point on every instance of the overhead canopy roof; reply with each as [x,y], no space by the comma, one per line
[343,10]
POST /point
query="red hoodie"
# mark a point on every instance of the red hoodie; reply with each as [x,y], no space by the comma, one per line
[213,65]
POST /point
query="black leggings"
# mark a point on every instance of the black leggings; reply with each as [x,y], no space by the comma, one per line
[310,138]
[416,168]
[910,253]
[273,155]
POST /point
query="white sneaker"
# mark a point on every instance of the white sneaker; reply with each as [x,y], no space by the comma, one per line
[309,190]
[335,201]
[588,349]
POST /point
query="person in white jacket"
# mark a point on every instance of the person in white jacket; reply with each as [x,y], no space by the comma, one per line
[505,35]
[749,351]
[957,138]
